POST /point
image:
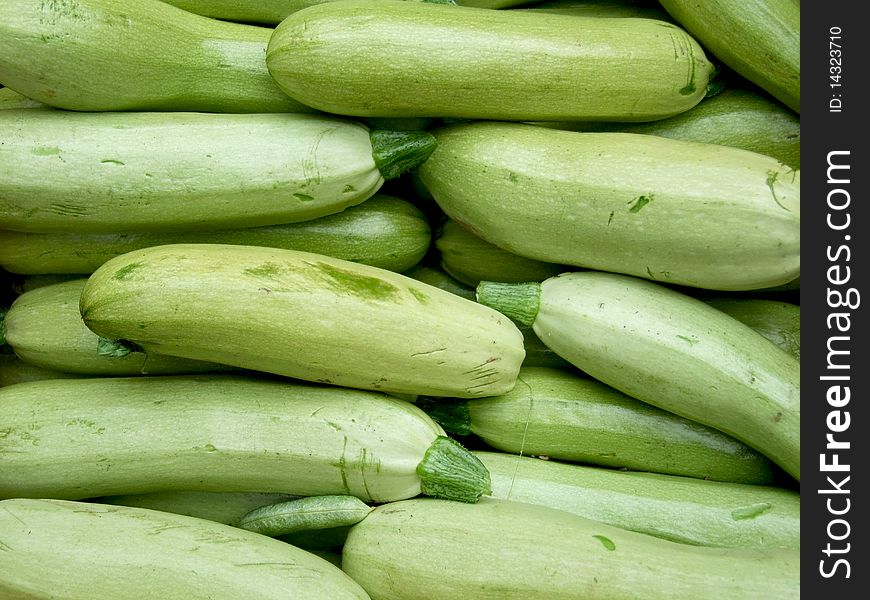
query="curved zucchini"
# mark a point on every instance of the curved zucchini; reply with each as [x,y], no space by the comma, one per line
[668,349]
[83,438]
[303,315]
[221,507]
[106,55]
[561,415]
[469,259]
[759,39]
[502,550]
[506,64]
[10,99]
[740,118]
[99,551]
[779,322]
[110,172]
[679,212]
[383,231]
[680,509]
[44,328]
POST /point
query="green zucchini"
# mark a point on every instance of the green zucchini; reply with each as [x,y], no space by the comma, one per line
[504,550]
[44,328]
[275,11]
[303,315]
[390,59]
[675,211]
[741,118]
[107,55]
[11,99]
[779,322]
[537,353]
[384,231]
[305,514]
[759,39]
[14,370]
[668,349]
[559,414]
[680,509]
[644,9]
[116,172]
[470,259]
[84,438]
[81,551]
[222,507]
[25,283]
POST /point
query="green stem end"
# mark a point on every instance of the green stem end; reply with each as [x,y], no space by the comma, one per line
[116,348]
[519,301]
[396,152]
[451,472]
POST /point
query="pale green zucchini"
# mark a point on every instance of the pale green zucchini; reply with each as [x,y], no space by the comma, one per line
[84,438]
[311,513]
[735,117]
[675,211]
[644,9]
[470,259]
[386,58]
[779,322]
[44,328]
[537,353]
[25,283]
[303,315]
[116,172]
[274,11]
[502,550]
[384,231]
[759,39]
[14,370]
[82,551]
[11,99]
[668,349]
[560,414]
[222,507]
[680,509]
[107,55]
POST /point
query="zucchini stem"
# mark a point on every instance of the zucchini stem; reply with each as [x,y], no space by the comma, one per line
[396,152]
[116,348]
[451,472]
[519,301]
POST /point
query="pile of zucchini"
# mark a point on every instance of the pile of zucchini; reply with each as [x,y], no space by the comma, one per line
[399,299]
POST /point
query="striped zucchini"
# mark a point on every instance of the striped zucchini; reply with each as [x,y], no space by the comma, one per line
[111,172]
[668,349]
[384,231]
[470,259]
[108,55]
[303,315]
[83,438]
[387,58]
[82,551]
[502,550]
[779,322]
[680,509]
[741,118]
[679,212]
[760,39]
[559,414]
[45,329]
